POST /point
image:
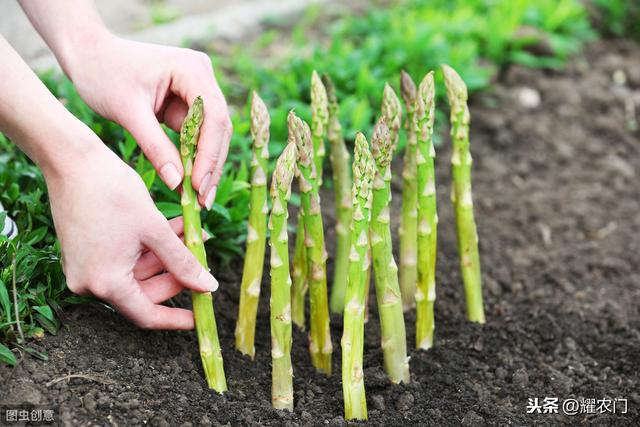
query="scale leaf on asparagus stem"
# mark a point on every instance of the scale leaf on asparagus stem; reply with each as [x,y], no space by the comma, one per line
[461,194]
[257,230]
[427,213]
[320,346]
[280,303]
[205,320]
[355,402]
[393,334]
[340,165]
[408,230]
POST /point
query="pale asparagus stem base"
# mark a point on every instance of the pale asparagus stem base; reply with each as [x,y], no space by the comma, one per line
[205,321]
[280,303]
[427,214]
[320,346]
[355,403]
[339,157]
[408,230]
[393,334]
[257,230]
[300,283]
[461,195]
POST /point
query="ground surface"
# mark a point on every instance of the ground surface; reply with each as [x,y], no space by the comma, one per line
[557,204]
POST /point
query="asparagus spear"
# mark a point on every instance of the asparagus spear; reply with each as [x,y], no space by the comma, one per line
[256,237]
[461,195]
[427,214]
[320,346]
[282,371]
[393,335]
[206,329]
[392,113]
[319,123]
[300,282]
[339,156]
[409,218]
[355,403]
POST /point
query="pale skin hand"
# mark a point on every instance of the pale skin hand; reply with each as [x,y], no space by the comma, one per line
[115,244]
[139,86]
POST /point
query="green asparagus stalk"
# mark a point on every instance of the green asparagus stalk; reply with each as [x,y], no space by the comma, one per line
[461,195]
[339,156]
[355,402]
[427,213]
[392,115]
[282,371]
[256,236]
[319,122]
[393,335]
[300,282]
[409,218]
[320,346]
[210,351]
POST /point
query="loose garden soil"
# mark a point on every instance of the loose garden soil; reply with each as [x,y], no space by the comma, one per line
[558,210]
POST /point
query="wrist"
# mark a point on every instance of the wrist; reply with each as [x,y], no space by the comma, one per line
[67,146]
[73,48]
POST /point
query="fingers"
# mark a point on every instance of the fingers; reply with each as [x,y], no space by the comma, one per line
[136,306]
[148,264]
[174,113]
[177,259]
[156,145]
[160,288]
[216,130]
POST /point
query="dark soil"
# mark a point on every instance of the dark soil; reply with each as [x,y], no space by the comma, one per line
[557,205]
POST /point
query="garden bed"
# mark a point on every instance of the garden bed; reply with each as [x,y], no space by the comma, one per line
[557,201]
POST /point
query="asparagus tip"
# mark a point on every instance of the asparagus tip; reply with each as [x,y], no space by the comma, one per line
[300,135]
[285,169]
[381,147]
[319,101]
[426,91]
[391,111]
[329,88]
[456,89]
[363,169]
[260,120]
[407,88]
[190,129]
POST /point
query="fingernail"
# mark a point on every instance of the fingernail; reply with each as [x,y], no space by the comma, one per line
[170,175]
[205,236]
[204,184]
[207,279]
[211,196]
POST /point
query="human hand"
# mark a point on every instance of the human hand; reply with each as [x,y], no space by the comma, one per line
[141,85]
[116,245]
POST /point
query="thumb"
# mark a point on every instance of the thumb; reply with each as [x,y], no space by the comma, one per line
[157,146]
[178,260]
